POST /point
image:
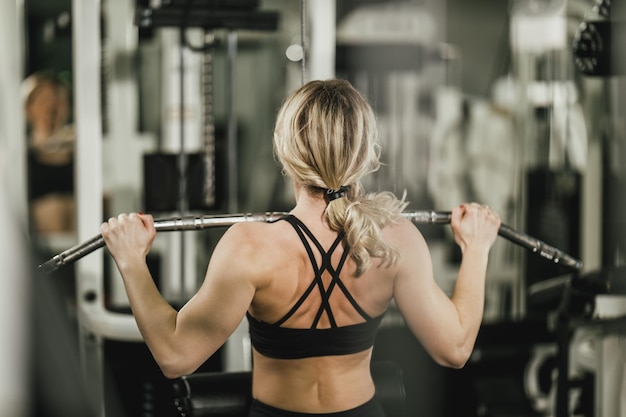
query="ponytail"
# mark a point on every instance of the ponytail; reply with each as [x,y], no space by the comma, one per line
[362,218]
[326,139]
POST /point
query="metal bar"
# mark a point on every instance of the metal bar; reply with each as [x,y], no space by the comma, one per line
[522,239]
[541,248]
[75,253]
[202,222]
[206,19]
[208,4]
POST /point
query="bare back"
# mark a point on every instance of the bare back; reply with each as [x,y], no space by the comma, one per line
[322,383]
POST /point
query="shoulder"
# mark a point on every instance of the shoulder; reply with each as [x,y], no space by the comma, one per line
[409,241]
[255,245]
[414,260]
[255,235]
[402,232]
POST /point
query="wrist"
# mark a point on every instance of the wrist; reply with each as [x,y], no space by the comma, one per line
[476,251]
[131,265]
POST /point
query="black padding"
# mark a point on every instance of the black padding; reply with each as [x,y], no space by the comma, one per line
[228,394]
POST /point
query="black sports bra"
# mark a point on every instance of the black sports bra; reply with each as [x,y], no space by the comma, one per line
[45,179]
[274,341]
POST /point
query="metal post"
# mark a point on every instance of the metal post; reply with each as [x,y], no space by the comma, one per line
[15,299]
[89,283]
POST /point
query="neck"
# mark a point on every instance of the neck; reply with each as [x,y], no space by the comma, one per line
[308,204]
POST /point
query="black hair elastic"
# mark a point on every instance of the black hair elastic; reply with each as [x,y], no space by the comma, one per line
[335,194]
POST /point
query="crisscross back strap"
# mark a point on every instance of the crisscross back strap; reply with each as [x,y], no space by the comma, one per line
[325,265]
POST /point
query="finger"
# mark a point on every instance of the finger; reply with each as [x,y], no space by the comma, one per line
[491,211]
[147,219]
[107,226]
[457,214]
[486,209]
[472,208]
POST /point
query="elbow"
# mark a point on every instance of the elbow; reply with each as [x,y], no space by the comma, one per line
[451,363]
[172,373]
[173,367]
[455,358]
[456,364]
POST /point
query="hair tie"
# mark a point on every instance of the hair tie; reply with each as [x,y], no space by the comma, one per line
[332,194]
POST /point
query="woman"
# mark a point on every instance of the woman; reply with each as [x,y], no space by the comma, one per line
[315,284]
[50,154]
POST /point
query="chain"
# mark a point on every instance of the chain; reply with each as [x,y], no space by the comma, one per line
[208,121]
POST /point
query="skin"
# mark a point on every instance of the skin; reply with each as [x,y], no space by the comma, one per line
[263,268]
[47,111]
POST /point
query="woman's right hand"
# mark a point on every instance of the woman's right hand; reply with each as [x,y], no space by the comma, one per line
[129,237]
[474,224]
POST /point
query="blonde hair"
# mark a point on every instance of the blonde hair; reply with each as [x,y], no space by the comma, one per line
[326,138]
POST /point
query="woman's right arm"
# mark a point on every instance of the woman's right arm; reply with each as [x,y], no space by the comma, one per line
[447,327]
[182,340]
